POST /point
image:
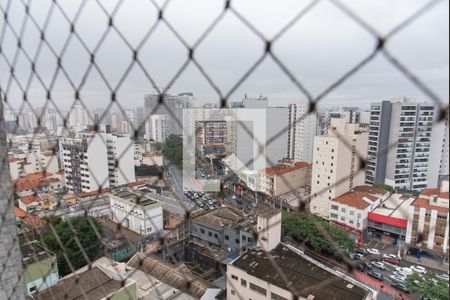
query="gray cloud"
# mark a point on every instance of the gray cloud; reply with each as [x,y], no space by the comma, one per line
[318,49]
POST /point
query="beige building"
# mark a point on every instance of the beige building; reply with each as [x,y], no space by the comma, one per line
[336,164]
[32,161]
[286,176]
[428,219]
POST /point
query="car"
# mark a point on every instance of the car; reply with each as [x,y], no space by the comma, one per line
[361,251]
[400,274]
[234,197]
[443,276]
[404,270]
[368,266]
[400,287]
[239,201]
[397,279]
[373,251]
[392,261]
[376,275]
[255,204]
[392,256]
[359,256]
[379,265]
[419,269]
[361,267]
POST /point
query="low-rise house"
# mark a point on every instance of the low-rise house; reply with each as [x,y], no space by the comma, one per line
[223,229]
[351,209]
[40,269]
[284,177]
[137,211]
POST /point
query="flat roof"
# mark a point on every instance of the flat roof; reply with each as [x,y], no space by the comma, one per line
[92,284]
[221,217]
[134,197]
[34,252]
[306,277]
[396,206]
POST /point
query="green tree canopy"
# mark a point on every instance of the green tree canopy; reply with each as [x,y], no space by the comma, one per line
[428,286]
[68,232]
[173,149]
[305,228]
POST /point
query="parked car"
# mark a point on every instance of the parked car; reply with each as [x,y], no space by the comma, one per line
[361,267]
[359,256]
[397,279]
[419,269]
[392,261]
[234,197]
[443,276]
[361,251]
[400,287]
[373,251]
[368,266]
[351,255]
[379,265]
[376,275]
[404,270]
[239,201]
[392,256]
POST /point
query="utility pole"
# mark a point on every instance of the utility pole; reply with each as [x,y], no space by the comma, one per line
[11,272]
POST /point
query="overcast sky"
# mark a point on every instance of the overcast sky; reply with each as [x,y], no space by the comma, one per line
[317,50]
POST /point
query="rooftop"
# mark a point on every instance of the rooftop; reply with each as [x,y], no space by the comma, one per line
[396,206]
[304,276]
[134,197]
[371,190]
[34,252]
[355,199]
[283,169]
[221,217]
[92,284]
[425,203]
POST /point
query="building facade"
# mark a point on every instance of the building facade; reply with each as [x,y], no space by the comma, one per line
[428,219]
[120,150]
[337,160]
[301,132]
[157,128]
[402,144]
[137,212]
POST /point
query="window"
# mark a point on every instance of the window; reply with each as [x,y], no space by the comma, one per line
[216,236]
[244,238]
[202,230]
[227,238]
[343,219]
[234,277]
[243,282]
[334,207]
[274,296]
[258,289]
[334,216]
[237,241]
[233,292]
[209,233]
[343,210]
[352,213]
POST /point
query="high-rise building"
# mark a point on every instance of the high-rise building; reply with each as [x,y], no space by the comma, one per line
[96,161]
[157,128]
[78,116]
[337,158]
[120,151]
[85,163]
[172,106]
[402,144]
[301,132]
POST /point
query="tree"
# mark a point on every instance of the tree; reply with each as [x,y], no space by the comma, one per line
[306,228]
[173,149]
[68,231]
[428,286]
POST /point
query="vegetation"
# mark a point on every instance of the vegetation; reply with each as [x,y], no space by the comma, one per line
[428,286]
[68,232]
[173,149]
[385,187]
[304,228]
[158,146]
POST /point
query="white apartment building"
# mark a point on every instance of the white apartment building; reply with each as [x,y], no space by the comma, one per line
[157,128]
[351,209]
[85,163]
[405,148]
[301,132]
[428,219]
[137,212]
[32,161]
[120,150]
[78,116]
[337,159]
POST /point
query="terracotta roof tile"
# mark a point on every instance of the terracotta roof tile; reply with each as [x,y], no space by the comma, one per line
[372,190]
[355,199]
[425,203]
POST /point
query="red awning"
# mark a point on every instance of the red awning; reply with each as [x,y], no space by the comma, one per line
[402,223]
